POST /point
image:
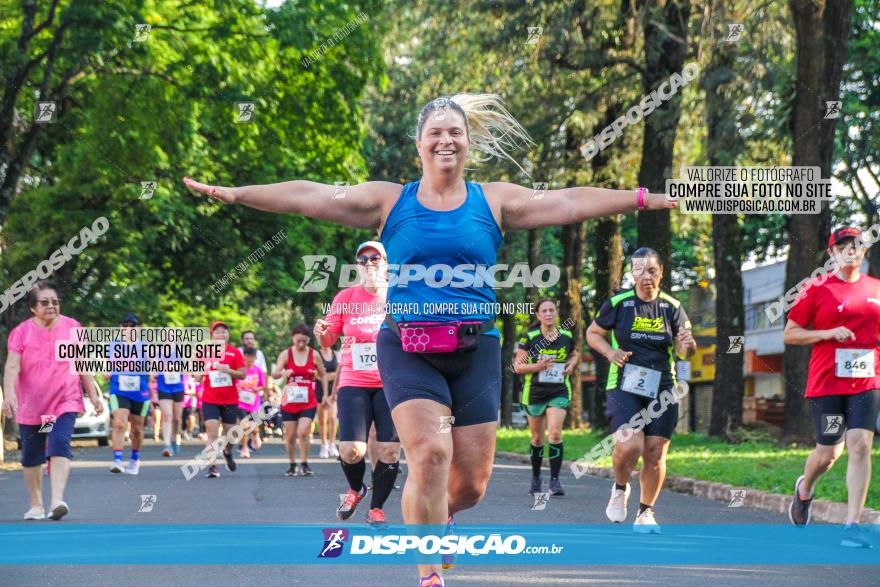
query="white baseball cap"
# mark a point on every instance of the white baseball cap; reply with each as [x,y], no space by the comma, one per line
[375,244]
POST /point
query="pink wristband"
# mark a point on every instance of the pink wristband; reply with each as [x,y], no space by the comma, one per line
[640,193]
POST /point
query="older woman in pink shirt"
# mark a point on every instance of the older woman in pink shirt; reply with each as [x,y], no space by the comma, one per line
[44,396]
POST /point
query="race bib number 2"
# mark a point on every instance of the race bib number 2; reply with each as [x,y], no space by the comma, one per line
[854,363]
[640,380]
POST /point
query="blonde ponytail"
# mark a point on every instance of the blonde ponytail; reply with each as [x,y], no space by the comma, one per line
[492,130]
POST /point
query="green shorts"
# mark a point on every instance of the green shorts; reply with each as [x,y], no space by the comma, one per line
[537,410]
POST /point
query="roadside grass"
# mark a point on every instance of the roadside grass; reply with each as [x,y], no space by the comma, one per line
[759,464]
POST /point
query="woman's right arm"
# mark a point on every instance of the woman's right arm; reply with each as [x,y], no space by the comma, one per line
[10,378]
[358,206]
[796,334]
[597,339]
[278,367]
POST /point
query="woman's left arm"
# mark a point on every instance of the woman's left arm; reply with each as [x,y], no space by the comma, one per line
[522,208]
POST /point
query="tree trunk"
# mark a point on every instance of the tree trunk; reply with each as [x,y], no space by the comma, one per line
[534,251]
[724,144]
[821,29]
[571,308]
[609,271]
[665,29]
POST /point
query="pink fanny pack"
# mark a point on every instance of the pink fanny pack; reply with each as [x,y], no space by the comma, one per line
[439,337]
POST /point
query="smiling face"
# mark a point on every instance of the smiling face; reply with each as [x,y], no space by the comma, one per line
[372,267]
[443,141]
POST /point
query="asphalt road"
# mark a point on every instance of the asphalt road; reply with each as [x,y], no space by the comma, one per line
[259,493]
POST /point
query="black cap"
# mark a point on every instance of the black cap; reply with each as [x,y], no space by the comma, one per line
[130,318]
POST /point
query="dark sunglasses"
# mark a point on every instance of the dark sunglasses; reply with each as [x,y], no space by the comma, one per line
[375,258]
[47,303]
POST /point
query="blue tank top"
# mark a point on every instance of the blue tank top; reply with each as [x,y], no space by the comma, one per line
[453,246]
[166,387]
[140,394]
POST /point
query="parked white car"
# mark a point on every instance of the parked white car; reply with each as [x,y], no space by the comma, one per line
[88,425]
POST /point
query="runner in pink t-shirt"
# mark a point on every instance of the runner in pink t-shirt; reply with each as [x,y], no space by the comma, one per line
[250,390]
[357,313]
[45,397]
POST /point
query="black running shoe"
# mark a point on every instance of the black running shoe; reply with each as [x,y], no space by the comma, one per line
[537,486]
[230,462]
[291,471]
[556,488]
[213,473]
[305,470]
[799,510]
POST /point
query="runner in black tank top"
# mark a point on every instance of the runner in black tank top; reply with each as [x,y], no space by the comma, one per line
[327,404]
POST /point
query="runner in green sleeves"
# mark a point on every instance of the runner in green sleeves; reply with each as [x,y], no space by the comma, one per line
[546,357]
[647,328]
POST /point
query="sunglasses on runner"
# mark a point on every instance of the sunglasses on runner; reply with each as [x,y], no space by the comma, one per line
[374,259]
[47,303]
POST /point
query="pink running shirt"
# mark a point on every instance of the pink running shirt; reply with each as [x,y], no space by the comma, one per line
[45,386]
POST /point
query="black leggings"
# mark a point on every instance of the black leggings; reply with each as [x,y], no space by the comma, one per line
[359,408]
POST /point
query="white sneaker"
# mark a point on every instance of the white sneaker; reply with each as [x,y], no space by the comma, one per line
[117,467]
[333,450]
[645,523]
[35,513]
[616,510]
[133,467]
[59,510]
[324,453]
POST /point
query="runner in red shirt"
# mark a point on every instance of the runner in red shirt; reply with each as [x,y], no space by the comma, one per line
[220,395]
[298,367]
[840,317]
